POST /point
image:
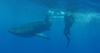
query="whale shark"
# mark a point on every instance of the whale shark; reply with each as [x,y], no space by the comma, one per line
[32,29]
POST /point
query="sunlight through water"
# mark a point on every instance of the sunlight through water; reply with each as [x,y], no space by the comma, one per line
[79,16]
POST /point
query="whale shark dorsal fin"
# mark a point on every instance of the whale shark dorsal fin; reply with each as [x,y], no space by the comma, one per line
[42,35]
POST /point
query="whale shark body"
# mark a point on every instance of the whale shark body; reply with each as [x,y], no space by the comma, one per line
[32,29]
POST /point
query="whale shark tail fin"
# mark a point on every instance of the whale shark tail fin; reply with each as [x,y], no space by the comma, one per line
[47,20]
[42,35]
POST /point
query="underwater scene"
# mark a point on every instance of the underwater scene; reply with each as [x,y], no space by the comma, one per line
[49,26]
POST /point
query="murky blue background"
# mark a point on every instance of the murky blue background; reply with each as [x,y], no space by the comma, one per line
[85,33]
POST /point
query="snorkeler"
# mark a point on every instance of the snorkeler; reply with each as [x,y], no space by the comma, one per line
[69,20]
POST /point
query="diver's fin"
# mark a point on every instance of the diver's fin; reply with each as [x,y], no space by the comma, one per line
[42,35]
[68,41]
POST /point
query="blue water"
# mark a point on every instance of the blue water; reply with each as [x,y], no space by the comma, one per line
[85,33]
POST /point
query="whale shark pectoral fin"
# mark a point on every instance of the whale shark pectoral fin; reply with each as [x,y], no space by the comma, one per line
[42,35]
